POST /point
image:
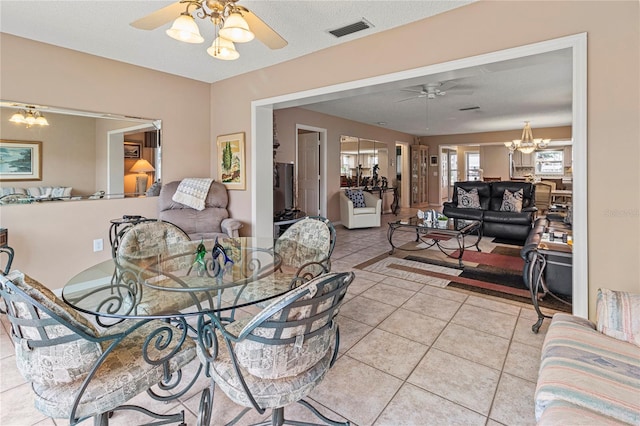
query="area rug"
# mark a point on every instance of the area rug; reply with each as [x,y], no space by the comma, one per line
[495,271]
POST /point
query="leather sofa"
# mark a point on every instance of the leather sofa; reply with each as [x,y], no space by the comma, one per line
[495,223]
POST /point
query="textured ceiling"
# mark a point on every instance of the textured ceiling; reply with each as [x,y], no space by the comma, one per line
[536,88]
[102,28]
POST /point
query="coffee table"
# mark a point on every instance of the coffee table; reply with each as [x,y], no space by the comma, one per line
[435,233]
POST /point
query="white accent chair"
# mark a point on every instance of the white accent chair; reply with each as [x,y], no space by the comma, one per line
[362,217]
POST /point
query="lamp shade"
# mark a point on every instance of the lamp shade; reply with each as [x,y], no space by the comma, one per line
[221,48]
[236,29]
[185,29]
[142,166]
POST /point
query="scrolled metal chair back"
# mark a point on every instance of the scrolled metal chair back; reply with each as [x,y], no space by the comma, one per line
[307,245]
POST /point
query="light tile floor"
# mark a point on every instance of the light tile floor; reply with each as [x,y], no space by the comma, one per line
[410,354]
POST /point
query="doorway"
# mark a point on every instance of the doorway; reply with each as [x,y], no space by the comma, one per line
[402,168]
[311,170]
[262,129]
[448,172]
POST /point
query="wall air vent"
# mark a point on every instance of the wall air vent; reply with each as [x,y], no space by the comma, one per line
[469,108]
[362,24]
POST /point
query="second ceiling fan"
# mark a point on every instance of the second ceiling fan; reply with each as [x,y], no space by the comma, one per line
[433,90]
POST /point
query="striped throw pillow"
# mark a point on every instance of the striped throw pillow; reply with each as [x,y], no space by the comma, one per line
[618,314]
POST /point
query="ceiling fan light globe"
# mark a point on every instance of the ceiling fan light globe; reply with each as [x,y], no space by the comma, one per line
[17,118]
[236,29]
[221,48]
[185,29]
[30,120]
[41,121]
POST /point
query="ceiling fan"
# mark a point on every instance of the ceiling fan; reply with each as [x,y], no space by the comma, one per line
[433,90]
[233,23]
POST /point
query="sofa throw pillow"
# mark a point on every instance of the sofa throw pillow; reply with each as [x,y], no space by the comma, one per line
[357,197]
[618,315]
[512,201]
[468,199]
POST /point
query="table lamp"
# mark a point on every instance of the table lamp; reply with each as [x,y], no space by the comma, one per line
[141,168]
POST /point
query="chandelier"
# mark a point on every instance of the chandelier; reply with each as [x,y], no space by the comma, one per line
[29,117]
[227,19]
[526,144]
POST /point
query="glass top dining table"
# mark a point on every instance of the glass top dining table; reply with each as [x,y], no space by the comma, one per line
[190,278]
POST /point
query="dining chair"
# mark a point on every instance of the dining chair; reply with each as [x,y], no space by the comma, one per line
[77,372]
[279,356]
[307,246]
[305,249]
[543,197]
[141,243]
[140,246]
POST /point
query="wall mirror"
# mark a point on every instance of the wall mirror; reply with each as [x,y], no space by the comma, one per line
[81,154]
[363,162]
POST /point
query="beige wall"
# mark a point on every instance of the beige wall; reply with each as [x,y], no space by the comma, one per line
[494,161]
[53,241]
[487,26]
[286,121]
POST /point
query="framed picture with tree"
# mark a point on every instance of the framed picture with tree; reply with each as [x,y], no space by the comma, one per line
[231,161]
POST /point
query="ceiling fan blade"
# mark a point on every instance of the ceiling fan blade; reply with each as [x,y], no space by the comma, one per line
[408,99]
[466,92]
[421,92]
[159,17]
[263,32]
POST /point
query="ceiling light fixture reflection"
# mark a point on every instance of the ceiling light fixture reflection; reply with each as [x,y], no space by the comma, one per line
[29,117]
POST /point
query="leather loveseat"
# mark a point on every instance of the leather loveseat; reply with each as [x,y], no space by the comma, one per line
[512,225]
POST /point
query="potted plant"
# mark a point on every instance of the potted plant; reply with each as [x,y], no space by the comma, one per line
[442,221]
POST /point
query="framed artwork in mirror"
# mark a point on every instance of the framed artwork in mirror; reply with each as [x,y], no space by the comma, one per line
[20,160]
[231,160]
[132,149]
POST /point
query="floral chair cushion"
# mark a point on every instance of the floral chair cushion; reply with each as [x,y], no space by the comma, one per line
[308,240]
[281,356]
[65,362]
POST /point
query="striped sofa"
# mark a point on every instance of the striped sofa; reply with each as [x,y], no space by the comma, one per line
[587,376]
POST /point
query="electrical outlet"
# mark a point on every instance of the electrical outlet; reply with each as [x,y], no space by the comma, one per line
[98,245]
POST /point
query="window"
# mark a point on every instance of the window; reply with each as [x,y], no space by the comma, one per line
[549,162]
[473,165]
